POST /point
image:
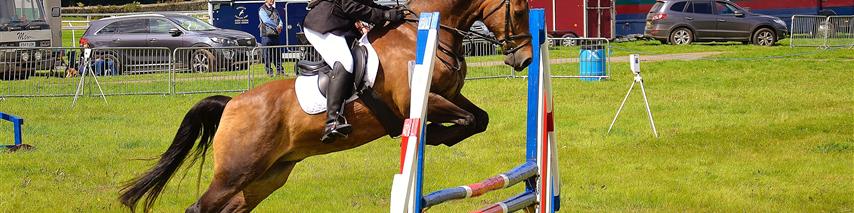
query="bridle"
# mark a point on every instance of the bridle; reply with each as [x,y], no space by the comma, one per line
[508,30]
[505,42]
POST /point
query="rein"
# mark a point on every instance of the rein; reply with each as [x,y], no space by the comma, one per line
[444,47]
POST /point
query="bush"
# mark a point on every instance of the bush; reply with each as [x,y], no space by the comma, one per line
[138,7]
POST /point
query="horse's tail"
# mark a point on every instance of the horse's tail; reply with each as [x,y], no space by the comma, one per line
[200,122]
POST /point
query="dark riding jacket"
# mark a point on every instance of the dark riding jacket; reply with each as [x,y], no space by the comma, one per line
[339,16]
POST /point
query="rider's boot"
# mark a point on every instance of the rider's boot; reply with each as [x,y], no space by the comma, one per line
[338,90]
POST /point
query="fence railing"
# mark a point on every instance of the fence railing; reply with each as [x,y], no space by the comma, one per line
[485,60]
[39,72]
[584,58]
[822,31]
[46,68]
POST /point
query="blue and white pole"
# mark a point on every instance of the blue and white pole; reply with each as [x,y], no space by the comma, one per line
[541,142]
[406,188]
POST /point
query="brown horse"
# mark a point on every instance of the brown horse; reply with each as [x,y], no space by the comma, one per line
[259,136]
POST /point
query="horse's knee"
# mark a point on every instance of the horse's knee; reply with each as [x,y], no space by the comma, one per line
[481,121]
[236,204]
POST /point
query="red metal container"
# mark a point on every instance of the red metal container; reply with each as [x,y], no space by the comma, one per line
[578,18]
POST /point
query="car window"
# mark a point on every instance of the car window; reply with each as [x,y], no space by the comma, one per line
[689,8]
[724,8]
[678,7]
[126,26]
[656,7]
[192,24]
[160,26]
[702,7]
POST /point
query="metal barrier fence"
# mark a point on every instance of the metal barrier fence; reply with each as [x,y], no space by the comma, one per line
[822,31]
[38,72]
[485,60]
[207,69]
[584,58]
[41,72]
[127,71]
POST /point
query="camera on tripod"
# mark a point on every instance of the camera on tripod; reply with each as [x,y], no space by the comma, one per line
[634,61]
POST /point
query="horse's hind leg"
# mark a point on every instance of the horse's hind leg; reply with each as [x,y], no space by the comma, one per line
[262,187]
[225,185]
[238,162]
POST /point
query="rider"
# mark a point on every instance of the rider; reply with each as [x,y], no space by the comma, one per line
[328,26]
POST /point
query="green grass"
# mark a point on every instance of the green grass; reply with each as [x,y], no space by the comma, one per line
[775,133]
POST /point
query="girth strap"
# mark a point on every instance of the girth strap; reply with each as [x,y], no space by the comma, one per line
[393,125]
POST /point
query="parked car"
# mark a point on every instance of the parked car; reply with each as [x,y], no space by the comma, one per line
[212,48]
[682,22]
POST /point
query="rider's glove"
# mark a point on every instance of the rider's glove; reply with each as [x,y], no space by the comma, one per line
[394,16]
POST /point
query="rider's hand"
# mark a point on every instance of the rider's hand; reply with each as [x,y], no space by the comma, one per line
[362,27]
[394,16]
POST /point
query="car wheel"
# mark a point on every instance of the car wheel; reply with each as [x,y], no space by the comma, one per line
[568,40]
[202,60]
[681,36]
[764,37]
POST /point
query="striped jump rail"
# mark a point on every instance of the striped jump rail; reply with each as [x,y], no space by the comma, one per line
[513,204]
[510,178]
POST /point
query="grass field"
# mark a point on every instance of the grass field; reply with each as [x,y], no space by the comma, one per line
[752,130]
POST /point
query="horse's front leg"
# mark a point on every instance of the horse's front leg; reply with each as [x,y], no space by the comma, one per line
[466,119]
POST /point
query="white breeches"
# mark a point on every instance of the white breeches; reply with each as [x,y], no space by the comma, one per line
[332,48]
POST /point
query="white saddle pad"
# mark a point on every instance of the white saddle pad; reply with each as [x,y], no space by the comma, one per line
[308,94]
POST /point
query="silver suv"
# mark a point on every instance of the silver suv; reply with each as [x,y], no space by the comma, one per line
[682,22]
[213,48]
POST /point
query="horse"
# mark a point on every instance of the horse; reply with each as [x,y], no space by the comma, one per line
[260,135]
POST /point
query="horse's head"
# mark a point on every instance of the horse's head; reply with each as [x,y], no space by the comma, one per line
[508,19]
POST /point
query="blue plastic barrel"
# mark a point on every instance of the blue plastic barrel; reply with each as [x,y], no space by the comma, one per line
[592,61]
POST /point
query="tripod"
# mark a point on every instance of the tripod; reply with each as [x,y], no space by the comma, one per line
[634,61]
[88,64]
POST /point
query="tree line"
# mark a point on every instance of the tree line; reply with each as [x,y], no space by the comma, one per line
[74,3]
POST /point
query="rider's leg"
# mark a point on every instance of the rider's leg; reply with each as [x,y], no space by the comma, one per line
[339,89]
[336,53]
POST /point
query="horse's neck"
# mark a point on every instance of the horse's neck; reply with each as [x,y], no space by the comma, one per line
[460,14]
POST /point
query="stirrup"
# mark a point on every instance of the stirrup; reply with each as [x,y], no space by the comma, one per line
[334,131]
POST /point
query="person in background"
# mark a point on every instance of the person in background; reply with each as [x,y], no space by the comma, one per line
[271,27]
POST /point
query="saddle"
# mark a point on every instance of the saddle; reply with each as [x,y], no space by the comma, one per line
[321,69]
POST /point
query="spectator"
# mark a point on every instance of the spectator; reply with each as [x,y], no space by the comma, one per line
[99,65]
[270,27]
